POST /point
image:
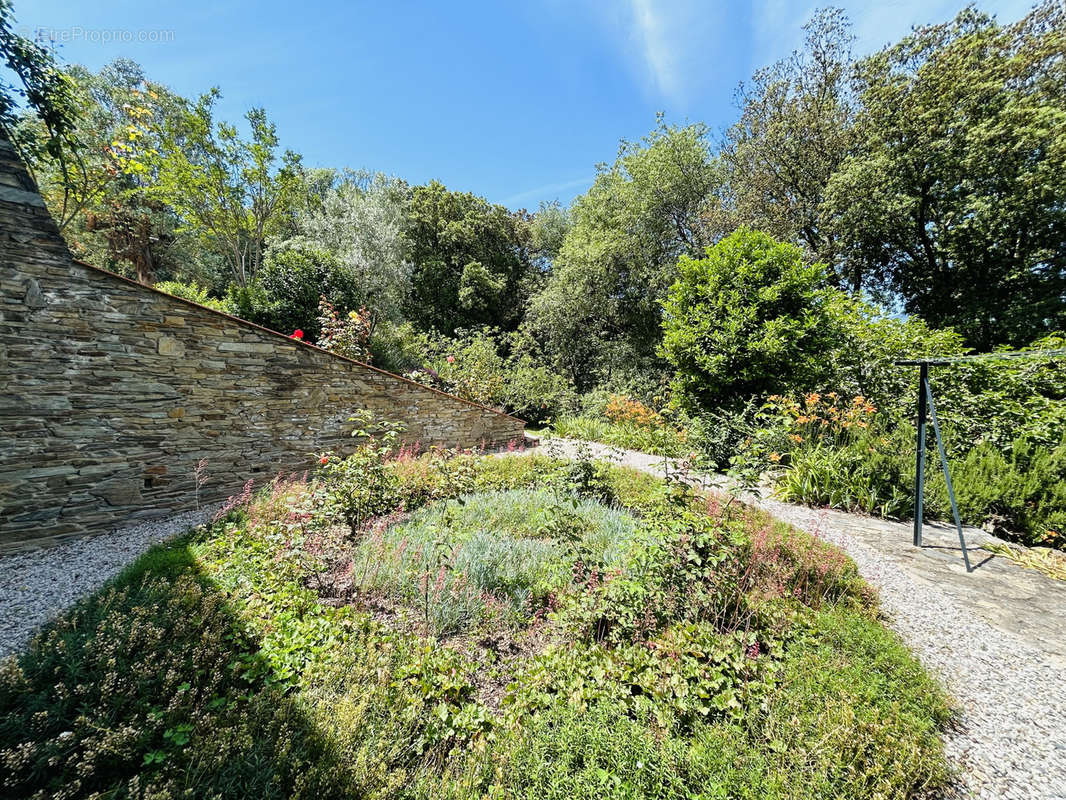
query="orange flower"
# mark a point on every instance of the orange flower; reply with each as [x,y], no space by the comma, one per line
[775,457]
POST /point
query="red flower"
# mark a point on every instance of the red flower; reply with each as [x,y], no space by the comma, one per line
[451,359]
[297,334]
[323,460]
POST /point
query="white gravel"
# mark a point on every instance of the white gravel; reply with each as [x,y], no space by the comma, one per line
[1010,740]
[36,585]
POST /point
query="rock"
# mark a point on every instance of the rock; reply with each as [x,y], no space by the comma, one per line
[168,346]
[33,298]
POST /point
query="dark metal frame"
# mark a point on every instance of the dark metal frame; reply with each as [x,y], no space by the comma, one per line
[927,409]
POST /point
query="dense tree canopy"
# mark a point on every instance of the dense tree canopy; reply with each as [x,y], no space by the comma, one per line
[229,191]
[599,314]
[362,222]
[795,128]
[928,178]
[953,197]
[469,262]
[285,294]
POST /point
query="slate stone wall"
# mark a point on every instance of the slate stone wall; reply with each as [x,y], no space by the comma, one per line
[112,393]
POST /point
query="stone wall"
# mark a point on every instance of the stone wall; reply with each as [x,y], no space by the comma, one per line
[113,392]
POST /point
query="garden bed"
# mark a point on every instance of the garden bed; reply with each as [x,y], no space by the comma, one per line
[460,626]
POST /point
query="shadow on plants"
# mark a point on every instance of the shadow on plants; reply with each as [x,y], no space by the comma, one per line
[154,687]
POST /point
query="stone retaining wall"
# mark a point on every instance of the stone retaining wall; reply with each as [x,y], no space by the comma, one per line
[112,393]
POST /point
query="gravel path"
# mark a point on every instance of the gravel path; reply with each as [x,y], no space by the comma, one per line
[1010,739]
[38,584]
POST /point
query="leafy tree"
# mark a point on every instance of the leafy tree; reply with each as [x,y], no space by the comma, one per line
[470,264]
[867,340]
[361,222]
[599,315]
[108,215]
[285,294]
[953,198]
[750,319]
[47,90]
[793,133]
[548,229]
[230,191]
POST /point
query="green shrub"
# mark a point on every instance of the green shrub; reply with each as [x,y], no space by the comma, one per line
[285,293]
[603,752]
[849,694]
[692,674]
[535,392]
[1018,494]
[716,437]
[361,487]
[196,293]
[518,473]
[827,453]
[748,320]
[438,475]
[660,440]
[399,348]
[474,365]
[858,476]
[154,687]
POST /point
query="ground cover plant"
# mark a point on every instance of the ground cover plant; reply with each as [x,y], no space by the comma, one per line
[475,626]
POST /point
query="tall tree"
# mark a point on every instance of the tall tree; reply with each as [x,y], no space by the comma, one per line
[793,133]
[362,223]
[108,216]
[232,192]
[954,197]
[470,264]
[599,315]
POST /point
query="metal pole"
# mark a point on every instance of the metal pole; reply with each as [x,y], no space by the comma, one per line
[947,475]
[919,472]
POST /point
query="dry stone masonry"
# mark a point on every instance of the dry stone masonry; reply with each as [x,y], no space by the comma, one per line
[113,393]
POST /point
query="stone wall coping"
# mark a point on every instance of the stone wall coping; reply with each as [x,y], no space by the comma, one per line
[290,339]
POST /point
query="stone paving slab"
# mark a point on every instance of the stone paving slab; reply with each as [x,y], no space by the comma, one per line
[1014,599]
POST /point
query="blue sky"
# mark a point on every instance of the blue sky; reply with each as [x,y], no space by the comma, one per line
[515,100]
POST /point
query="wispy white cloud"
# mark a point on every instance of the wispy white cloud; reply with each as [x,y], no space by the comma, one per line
[667,42]
[660,54]
[548,192]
